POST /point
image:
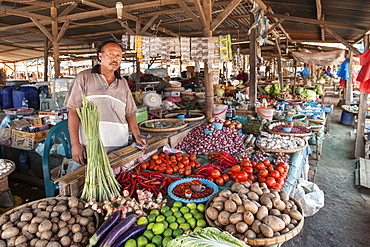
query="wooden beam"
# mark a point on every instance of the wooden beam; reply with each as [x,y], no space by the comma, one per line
[360,130]
[343,41]
[20,47]
[319,15]
[23,14]
[279,64]
[190,13]
[129,30]
[54,31]
[349,89]
[253,63]
[148,24]
[207,32]
[62,31]
[33,3]
[222,16]
[273,26]
[67,10]
[42,28]
[200,11]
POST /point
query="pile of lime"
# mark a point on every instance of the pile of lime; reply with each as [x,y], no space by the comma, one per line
[168,223]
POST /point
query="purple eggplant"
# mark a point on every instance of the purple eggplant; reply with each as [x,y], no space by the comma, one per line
[104,229]
[134,232]
[118,230]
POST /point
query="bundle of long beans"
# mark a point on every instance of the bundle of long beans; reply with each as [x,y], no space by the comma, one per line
[100,181]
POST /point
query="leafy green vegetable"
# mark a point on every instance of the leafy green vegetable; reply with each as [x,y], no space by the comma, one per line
[207,237]
[299,90]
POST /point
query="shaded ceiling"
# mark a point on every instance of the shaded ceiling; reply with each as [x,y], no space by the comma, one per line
[25,25]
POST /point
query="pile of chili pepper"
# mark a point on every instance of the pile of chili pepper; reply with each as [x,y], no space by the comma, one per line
[223,158]
[154,182]
[206,171]
[181,189]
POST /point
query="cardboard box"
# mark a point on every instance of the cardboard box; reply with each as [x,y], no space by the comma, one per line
[27,141]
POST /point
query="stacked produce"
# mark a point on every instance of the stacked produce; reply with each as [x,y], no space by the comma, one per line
[278,128]
[50,222]
[250,212]
[278,142]
[5,166]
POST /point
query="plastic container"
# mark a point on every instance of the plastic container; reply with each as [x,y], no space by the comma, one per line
[30,93]
[265,112]
[220,111]
[25,102]
[6,97]
[23,162]
[287,129]
[207,132]
[347,118]
[182,116]
[218,125]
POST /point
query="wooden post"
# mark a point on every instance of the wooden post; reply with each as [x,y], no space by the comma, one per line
[137,80]
[253,62]
[361,116]
[46,60]
[349,90]
[280,72]
[54,30]
[207,9]
[15,71]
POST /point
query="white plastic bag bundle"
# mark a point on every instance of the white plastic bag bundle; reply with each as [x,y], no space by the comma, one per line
[309,196]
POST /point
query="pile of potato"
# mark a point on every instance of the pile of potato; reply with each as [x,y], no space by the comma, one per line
[253,211]
[48,223]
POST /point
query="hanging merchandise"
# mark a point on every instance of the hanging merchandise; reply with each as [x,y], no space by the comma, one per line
[139,48]
[175,46]
[146,49]
[364,74]
[132,42]
[185,48]
[212,44]
[164,50]
[225,48]
[261,23]
[343,73]
[196,49]
[154,47]
[205,52]
[125,41]
[305,72]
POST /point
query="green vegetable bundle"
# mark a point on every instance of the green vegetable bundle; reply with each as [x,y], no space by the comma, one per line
[100,181]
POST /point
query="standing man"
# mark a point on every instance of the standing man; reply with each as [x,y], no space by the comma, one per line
[104,85]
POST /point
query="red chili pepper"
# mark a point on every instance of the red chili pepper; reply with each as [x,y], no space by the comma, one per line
[144,184]
[197,176]
[169,180]
[156,182]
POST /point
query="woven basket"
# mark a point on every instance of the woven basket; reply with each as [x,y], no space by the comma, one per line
[172,89]
[280,150]
[175,84]
[197,116]
[11,169]
[142,125]
[264,241]
[201,95]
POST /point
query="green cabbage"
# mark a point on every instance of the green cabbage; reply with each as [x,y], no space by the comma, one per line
[309,94]
[299,90]
[206,237]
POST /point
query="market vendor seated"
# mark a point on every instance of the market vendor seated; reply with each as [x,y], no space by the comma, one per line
[103,85]
[242,76]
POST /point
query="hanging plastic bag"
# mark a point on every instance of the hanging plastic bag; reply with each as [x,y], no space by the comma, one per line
[305,72]
[309,196]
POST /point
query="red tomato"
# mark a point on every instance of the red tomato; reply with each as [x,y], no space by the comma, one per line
[233,176]
[169,171]
[185,161]
[280,169]
[245,159]
[173,158]
[210,178]
[279,181]
[181,171]
[253,163]
[180,165]
[235,168]
[151,167]
[248,169]
[185,155]
[215,173]
[251,178]
[178,154]
[282,164]
[275,174]
[228,172]
[144,165]
[225,177]
[260,166]
[192,164]
[158,161]
[242,176]
[219,181]
[269,168]
[188,168]
[197,164]
[261,179]
[154,157]
[187,172]
[192,157]
[263,173]
[163,155]
[270,182]
[266,162]
[175,169]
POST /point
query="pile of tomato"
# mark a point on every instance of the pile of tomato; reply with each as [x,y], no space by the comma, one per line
[263,171]
[218,178]
[183,164]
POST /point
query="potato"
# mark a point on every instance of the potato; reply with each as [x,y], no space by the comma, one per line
[15,216]
[52,202]
[220,198]
[261,213]
[7,225]
[24,228]
[223,218]
[255,188]
[243,191]
[266,202]
[266,190]
[284,195]
[290,226]
[218,205]
[235,197]
[240,209]
[41,243]
[73,211]
[275,212]
[81,205]
[236,187]
[276,234]
[276,194]
[286,218]
[54,220]
[49,208]
[3,219]
[65,241]
[256,226]
[285,230]
[73,202]
[280,205]
[33,228]
[26,217]
[46,235]
[274,222]
[2,243]
[212,213]
[295,214]
[266,231]
[288,205]
[45,226]
[9,233]
[77,237]
[36,211]
[252,196]
[29,236]
[37,220]
[54,214]
[246,184]
[250,206]
[249,234]
[43,205]
[225,193]
[87,212]
[235,218]
[293,221]
[63,232]
[54,228]
[230,206]
[53,244]
[33,242]
[248,217]
[60,208]
[91,229]
[20,240]
[62,202]
[11,241]
[243,197]
[217,223]
[66,216]
[62,224]
[241,227]
[72,221]
[231,229]
[43,214]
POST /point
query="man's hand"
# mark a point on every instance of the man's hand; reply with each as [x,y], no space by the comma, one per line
[79,154]
[142,141]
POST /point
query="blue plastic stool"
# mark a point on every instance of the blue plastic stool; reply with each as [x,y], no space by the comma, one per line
[57,133]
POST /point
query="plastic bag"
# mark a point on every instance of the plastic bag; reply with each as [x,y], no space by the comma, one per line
[309,196]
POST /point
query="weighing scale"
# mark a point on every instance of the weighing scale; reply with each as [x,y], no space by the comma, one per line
[152,99]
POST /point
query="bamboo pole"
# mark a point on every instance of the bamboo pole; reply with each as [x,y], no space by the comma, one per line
[253,62]
[207,8]
[54,31]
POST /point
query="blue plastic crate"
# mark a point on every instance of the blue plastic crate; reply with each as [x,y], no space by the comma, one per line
[328,108]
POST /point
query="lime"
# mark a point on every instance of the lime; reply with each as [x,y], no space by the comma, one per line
[150,226]
[201,208]
[141,241]
[194,211]
[198,228]
[171,219]
[165,209]
[184,226]
[148,234]
[167,233]
[160,218]
[177,204]
[165,223]
[181,220]
[131,243]
[142,221]
[177,214]
[168,213]
[192,222]
[184,210]
[188,216]
[157,240]
[174,209]
[166,240]
[150,245]
[174,225]
[155,212]
[191,205]
[199,216]
[177,232]
[151,218]
[201,223]
[158,228]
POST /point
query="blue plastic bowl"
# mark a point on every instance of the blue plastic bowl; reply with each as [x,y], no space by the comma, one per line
[218,125]
[286,129]
[314,117]
[206,182]
[207,132]
[288,118]
[181,116]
